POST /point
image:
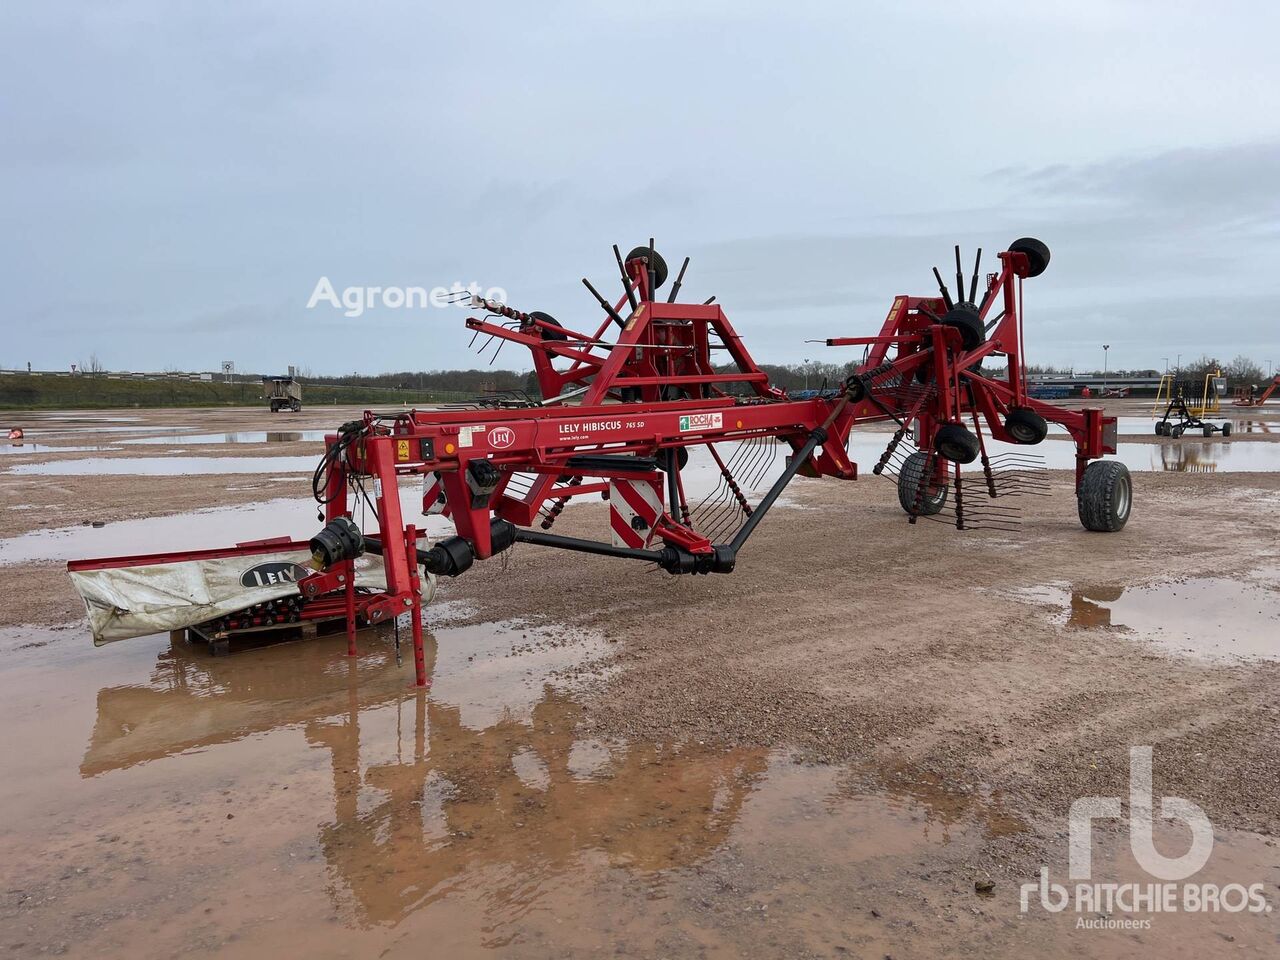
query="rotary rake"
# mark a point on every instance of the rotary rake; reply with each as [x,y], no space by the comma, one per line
[626,400]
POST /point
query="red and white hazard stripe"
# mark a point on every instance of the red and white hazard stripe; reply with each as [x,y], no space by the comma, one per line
[629,499]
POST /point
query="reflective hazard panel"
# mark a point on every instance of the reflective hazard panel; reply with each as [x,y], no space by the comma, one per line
[634,507]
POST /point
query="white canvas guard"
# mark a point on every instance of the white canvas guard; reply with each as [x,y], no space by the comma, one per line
[124,602]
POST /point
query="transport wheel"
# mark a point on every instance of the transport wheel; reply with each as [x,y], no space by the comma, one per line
[1105,497]
[964,317]
[682,458]
[1226,429]
[1159,429]
[655,260]
[275,407]
[296,407]
[1025,425]
[909,480]
[1175,432]
[956,443]
[1208,430]
[1037,254]
[548,318]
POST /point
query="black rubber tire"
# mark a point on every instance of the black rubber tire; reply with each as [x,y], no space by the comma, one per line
[296,406]
[1175,432]
[956,443]
[909,479]
[655,261]
[855,390]
[1105,497]
[1208,430]
[547,318]
[1226,428]
[964,317]
[275,407]
[1026,426]
[682,458]
[1037,254]
[1160,429]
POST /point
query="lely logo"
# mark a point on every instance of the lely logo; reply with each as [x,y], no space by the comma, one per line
[501,437]
[269,574]
[1140,899]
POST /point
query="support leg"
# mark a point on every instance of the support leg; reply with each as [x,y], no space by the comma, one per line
[349,593]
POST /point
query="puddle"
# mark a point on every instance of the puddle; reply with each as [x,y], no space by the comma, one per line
[137,428]
[165,466]
[1186,456]
[1145,426]
[252,436]
[1211,618]
[29,448]
[217,527]
[312,803]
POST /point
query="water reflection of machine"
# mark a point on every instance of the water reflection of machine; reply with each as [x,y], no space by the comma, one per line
[520,799]
[1196,458]
[507,800]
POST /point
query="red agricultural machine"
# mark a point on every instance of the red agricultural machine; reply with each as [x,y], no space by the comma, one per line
[623,405]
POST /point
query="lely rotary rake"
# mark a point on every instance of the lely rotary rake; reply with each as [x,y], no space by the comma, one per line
[624,405]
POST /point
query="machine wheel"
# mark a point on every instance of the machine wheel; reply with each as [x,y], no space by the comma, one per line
[655,260]
[964,317]
[1037,254]
[909,480]
[1160,429]
[956,443]
[1026,426]
[275,407]
[548,318]
[1105,497]
[682,459]
[296,406]
[1175,432]
[1226,428]
[1208,430]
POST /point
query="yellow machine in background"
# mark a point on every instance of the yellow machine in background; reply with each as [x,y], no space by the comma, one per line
[1210,400]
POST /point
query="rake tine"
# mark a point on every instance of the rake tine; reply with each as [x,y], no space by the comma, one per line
[959,275]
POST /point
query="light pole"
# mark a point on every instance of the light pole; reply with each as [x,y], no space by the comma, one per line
[1166,364]
[806,373]
[1105,348]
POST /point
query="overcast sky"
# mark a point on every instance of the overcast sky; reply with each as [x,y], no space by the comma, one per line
[176,177]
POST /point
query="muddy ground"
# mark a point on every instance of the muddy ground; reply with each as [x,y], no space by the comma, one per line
[832,752]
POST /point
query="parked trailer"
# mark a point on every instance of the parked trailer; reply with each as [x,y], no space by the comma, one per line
[284,393]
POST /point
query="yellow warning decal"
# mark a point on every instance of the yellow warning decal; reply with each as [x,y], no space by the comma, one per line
[895,310]
[402,450]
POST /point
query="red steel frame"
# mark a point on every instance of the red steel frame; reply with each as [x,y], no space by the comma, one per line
[661,346]
[636,402]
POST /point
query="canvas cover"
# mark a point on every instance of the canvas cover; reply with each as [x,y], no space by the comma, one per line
[124,602]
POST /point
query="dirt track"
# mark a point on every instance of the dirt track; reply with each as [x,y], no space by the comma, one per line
[904,656]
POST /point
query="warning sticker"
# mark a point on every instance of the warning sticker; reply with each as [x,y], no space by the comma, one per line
[402,450]
[701,421]
[465,433]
